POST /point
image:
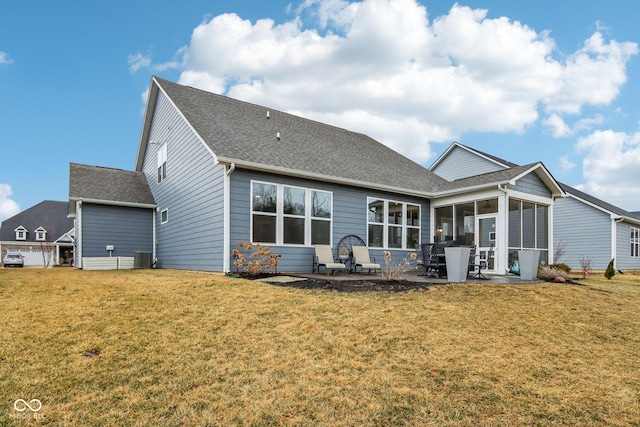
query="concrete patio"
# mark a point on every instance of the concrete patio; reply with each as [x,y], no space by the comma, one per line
[415,276]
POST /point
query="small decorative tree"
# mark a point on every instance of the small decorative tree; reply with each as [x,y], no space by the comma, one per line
[561,249]
[610,272]
[585,265]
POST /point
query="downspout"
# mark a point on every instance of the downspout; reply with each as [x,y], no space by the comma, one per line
[78,238]
[226,240]
[154,260]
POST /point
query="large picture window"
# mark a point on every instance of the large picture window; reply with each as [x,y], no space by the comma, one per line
[392,225]
[635,242]
[288,215]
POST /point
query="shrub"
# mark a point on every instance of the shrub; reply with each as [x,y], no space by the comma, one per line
[585,265]
[260,259]
[561,266]
[610,272]
[394,271]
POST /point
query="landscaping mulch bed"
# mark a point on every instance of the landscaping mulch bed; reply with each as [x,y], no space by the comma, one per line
[377,285]
[357,285]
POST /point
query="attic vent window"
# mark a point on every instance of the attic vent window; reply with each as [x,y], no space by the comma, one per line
[41,234]
[21,233]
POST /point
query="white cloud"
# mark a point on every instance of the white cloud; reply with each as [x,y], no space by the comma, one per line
[382,68]
[560,129]
[565,164]
[137,61]
[4,58]
[611,167]
[557,126]
[592,76]
[8,207]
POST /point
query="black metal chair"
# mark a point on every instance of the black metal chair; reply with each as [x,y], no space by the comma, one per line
[433,259]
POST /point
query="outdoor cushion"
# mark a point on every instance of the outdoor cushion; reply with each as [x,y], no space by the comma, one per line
[325,258]
[363,260]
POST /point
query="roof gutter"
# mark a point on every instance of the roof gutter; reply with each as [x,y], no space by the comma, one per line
[233,163]
[462,190]
[114,203]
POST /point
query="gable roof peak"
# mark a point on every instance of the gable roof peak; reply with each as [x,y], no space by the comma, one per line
[238,132]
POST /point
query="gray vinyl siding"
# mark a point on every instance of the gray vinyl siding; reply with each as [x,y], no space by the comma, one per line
[624,260]
[192,193]
[129,230]
[585,231]
[531,184]
[349,216]
[460,163]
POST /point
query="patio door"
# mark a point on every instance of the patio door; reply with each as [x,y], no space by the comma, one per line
[486,235]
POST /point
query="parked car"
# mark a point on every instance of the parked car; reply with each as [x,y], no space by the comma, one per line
[13,260]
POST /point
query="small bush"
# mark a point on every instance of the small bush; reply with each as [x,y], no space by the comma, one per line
[561,266]
[394,271]
[260,259]
[610,270]
[585,265]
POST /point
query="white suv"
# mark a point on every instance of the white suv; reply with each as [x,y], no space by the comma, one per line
[13,260]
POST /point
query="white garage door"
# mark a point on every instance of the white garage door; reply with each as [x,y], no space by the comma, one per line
[33,258]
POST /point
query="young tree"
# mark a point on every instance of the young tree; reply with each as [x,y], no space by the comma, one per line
[610,270]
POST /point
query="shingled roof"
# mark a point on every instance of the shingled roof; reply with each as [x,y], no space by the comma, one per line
[99,184]
[513,169]
[261,138]
[601,203]
[49,214]
[505,176]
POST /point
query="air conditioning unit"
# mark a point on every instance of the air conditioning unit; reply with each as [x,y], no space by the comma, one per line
[142,260]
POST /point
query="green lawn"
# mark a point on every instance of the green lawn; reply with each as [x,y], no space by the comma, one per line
[179,348]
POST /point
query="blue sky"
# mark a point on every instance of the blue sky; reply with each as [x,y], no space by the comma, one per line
[551,81]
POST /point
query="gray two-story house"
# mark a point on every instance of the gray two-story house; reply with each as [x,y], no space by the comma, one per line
[212,171]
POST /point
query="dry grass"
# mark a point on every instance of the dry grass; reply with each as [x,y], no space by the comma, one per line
[195,349]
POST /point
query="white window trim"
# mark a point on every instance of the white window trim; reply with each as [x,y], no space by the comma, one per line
[41,234]
[635,242]
[162,212]
[161,168]
[21,233]
[385,223]
[280,215]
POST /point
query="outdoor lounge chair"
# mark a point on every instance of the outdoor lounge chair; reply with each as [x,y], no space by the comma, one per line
[324,258]
[363,260]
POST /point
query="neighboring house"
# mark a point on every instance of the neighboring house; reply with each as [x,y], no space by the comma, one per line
[43,234]
[113,211]
[594,229]
[586,227]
